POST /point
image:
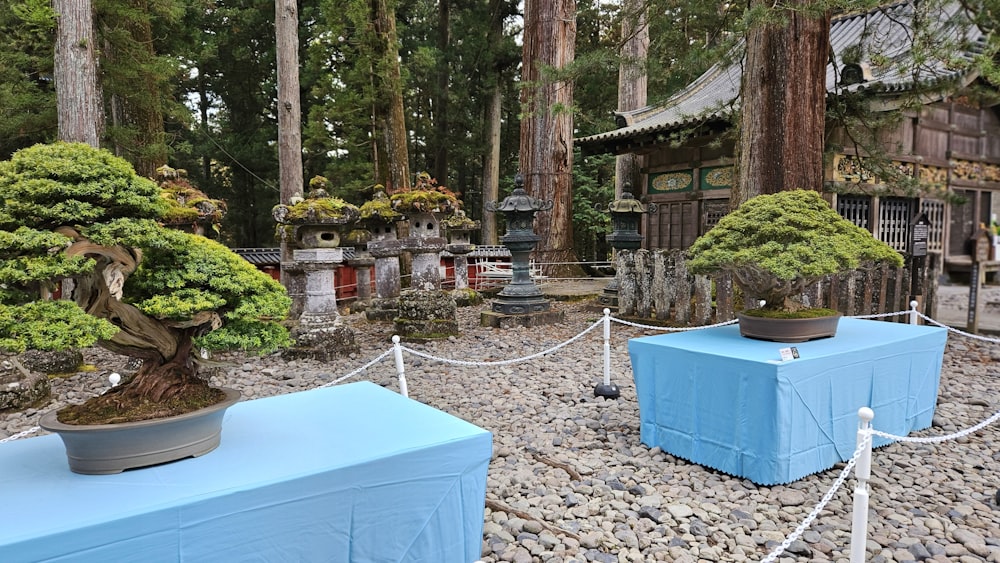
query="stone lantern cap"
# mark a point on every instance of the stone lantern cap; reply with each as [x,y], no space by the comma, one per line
[519,200]
[627,204]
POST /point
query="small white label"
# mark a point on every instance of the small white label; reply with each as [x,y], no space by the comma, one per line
[789,354]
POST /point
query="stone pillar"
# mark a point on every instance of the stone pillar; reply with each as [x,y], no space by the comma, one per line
[362,264]
[386,253]
[320,303]
[461,252]
[319,334]
[426,253]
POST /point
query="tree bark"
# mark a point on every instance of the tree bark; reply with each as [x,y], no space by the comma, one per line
[547,128]
[389,85]
[491,163]
[290,177]
[783,102]
[78,97]
[632,83]
[286,27]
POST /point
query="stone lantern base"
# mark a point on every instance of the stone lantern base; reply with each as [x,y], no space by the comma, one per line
[323,344]
[502,320]
[426,315]
[382,309]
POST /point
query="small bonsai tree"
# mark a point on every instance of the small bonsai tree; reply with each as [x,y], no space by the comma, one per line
[777,245]
[140,289]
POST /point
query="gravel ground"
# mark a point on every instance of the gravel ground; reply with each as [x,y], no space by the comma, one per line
[570,480]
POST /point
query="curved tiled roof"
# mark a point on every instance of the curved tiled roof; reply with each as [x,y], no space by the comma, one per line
[885,32]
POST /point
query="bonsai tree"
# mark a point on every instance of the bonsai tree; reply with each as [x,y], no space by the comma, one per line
[139,289]
[777,245]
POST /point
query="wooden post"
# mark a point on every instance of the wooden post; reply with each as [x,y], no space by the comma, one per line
[977,276]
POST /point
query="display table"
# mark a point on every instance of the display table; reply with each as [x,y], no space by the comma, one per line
[728,402]
[351,473]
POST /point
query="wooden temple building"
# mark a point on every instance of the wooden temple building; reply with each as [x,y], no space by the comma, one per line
[950,141]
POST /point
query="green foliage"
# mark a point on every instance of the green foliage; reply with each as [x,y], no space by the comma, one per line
[790,235]
[47,186]
[50,325]
[206,276]
[593,190]
[179,277]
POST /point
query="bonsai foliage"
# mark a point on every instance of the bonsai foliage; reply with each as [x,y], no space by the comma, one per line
[140,289]
[425,196]
[777,245]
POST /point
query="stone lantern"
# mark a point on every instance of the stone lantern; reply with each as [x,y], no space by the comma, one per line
[521,301]
[385,248]
[313,226]
[625,215]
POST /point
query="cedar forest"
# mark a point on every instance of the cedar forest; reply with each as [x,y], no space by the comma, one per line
[192,84]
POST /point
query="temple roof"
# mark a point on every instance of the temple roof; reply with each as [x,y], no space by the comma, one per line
[886,67]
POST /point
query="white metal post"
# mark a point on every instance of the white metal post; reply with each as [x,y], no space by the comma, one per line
[397,351]
[914,318]
[863,472]
[607,347]
[606,389]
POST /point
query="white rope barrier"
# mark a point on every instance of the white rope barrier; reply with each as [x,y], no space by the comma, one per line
[377,359]
[427,356]
[21,434]
[670,328]
[939,439]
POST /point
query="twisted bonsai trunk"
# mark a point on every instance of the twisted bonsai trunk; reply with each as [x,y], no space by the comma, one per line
[167,382]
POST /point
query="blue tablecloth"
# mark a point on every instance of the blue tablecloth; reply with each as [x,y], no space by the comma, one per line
[350,473]
[727,402]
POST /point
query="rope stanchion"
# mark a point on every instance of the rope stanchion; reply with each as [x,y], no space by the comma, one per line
[397,351]
[804,525]
[863,473]
[607,389]
[914,314]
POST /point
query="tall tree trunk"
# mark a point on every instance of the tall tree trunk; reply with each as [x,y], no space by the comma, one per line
[286,27]
[289,106]
[783,101]
[491,164]
[632,82]
[78,98]
[440,114]
[389,85]
[547,128]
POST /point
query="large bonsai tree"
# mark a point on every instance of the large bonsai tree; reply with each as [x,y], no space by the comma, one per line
[140,289]
[777,245]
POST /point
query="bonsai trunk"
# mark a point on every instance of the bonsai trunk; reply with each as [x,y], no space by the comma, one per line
[167,383]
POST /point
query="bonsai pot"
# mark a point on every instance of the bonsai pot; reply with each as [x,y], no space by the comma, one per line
[788,330]
[102,449]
